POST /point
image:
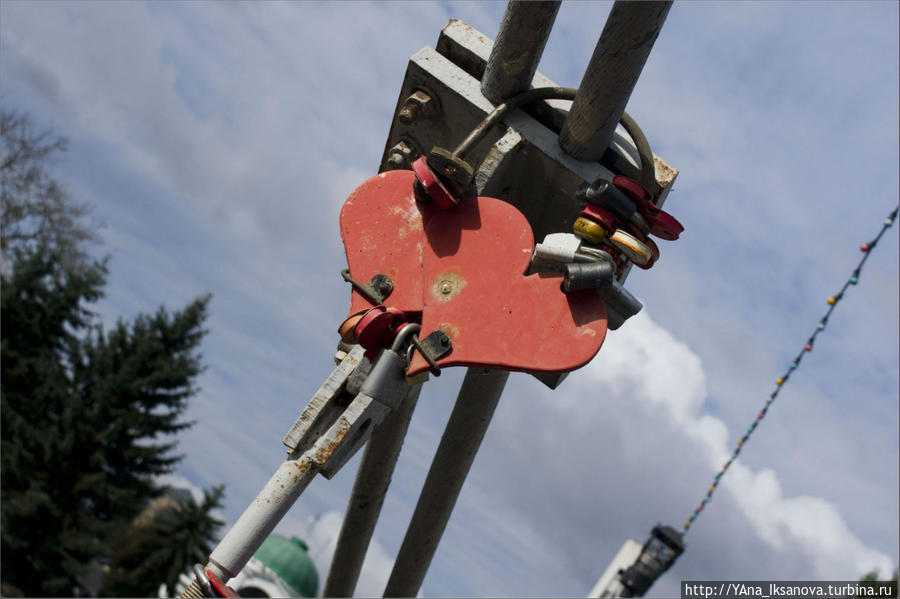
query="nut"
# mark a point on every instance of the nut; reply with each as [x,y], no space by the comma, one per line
[400,156]
[409,113]
[418,105]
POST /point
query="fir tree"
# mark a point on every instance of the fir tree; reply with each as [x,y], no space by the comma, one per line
[87,416]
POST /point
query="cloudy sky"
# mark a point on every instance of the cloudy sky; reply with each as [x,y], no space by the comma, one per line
[217,143]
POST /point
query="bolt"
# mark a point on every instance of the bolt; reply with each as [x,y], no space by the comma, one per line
[418,105]
[446,288]
[409,113]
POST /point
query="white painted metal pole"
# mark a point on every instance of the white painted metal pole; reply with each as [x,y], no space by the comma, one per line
[628,36]
[372,481]
[517,50]
[286,485]
[471,416]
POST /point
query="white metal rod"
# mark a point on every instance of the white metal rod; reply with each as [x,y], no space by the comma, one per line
[628,36]
[465,430]
[517,50]
[372,481]
[285,486]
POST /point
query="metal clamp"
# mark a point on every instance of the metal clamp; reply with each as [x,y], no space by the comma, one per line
[375,291]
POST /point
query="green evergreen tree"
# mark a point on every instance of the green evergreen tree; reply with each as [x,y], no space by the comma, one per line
[157,548]
[87,416]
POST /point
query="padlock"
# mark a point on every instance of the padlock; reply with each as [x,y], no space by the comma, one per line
[606,195]
[589,230]
[601,216]
[633,248]
[594,275]
[635,190]
[620,304]
[376,328]
[658,222]
[347,330]
[557,247]
[654,249]
[557,250]
[429,186]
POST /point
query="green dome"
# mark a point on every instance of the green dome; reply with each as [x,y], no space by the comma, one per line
[289,560]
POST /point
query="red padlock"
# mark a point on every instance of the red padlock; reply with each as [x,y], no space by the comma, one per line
[662,224]
[601,216]
[432,185]
[375,328]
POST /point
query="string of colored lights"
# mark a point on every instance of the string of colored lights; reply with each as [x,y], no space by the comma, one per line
[832,302]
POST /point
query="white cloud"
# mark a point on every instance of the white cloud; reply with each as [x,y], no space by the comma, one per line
[634,420]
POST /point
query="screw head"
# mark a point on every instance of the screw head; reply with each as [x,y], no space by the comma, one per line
[446,288]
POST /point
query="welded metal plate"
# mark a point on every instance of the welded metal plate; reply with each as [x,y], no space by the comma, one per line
[476,291]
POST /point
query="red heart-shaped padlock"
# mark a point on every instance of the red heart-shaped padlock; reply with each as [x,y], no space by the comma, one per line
[475,290]
[383,233]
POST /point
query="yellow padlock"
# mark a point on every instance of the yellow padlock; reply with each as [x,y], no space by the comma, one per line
[589,230]
[634,249]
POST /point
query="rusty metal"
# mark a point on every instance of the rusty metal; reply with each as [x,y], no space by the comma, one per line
[328,432]
[456,174]
[628,36]
[376,290]
[402,155]
[418,105]
[480,130]
[517,49]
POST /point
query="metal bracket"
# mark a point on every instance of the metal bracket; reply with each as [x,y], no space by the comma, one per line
[433,347]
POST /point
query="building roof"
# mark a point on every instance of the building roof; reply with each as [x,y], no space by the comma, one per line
[289,559]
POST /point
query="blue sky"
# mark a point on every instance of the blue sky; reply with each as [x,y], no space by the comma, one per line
[217,143]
